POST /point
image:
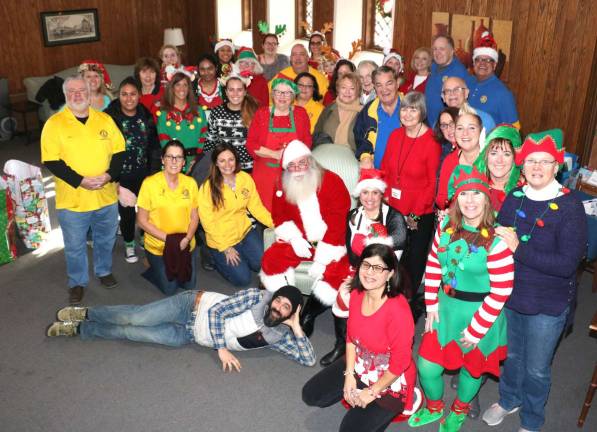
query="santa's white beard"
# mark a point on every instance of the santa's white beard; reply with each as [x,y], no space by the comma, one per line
[300,186]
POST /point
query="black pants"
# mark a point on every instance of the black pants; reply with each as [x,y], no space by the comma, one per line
[326,388]
[127,214]
[417,249]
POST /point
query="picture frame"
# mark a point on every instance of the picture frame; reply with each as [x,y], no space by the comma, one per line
[69,27]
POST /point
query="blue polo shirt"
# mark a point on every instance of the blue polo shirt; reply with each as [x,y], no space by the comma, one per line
[386,124]
[493,97]
[433,90]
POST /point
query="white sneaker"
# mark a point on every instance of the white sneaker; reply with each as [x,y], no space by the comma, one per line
[495,414]
[130,256]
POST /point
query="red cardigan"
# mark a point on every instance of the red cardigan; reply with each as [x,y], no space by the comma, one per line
[411,167]
[409,84]
[450,162]
[259,90]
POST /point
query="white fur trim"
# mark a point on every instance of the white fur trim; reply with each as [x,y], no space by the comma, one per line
[313,223]
[274,282]
[224,43]
[369,184]
[324,292]
[294,150]
[287,231]
[417,402]
[325,253]
[486,51]
[380,240]
[339,312]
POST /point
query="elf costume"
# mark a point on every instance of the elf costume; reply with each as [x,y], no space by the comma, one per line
[468,279]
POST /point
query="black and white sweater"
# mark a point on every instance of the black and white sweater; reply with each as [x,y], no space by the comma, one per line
[226,126]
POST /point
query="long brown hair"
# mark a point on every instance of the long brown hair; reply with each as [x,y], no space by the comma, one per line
[215,178]
[248,106]
[168,97]
[487,223]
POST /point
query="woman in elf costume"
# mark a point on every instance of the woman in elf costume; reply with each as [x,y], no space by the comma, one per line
[468,279]
[179,118]
[271,130]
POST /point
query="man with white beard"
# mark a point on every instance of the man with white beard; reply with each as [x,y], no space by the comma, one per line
[309,216]
[84,150]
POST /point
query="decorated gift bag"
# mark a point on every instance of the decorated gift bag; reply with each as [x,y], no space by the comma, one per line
[8,245]
[31,207]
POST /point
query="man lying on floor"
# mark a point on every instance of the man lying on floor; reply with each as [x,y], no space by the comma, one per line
[249,319]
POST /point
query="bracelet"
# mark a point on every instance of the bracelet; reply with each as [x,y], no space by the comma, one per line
[347,372]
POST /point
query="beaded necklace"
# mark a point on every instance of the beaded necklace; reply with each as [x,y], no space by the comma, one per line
[539,222]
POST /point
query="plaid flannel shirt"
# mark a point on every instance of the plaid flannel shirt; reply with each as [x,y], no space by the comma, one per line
[298,349]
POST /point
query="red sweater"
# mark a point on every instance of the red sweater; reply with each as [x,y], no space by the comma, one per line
[410,82]
[259,90]
[411,166]
[450,162]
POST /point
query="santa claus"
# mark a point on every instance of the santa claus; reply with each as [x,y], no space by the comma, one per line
[309,214]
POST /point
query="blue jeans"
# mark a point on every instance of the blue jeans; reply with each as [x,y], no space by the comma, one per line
[526,376]
[165,322]
[156,274]
[75,225]
[250,250]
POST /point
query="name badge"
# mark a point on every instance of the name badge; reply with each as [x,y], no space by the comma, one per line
[396,193]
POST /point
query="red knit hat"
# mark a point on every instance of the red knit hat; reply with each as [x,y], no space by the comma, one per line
[486,47]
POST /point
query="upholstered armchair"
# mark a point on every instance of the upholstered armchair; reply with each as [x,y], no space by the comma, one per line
[341,160]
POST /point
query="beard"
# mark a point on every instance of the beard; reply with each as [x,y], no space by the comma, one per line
[272,317]
[300,186]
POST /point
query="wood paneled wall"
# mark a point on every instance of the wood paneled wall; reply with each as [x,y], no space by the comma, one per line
[552,52]
[128,30]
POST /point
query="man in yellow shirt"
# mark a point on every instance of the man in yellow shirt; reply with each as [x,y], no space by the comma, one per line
[84,151]
[299,62]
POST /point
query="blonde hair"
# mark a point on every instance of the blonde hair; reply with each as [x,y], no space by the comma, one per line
[419,51]
[168,46]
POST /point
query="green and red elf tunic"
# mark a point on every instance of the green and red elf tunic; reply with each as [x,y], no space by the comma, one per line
[187,126]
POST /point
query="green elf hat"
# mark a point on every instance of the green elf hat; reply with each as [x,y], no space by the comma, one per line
[282,80]
[245,53]
[550,141]
[507,132]
[465,178]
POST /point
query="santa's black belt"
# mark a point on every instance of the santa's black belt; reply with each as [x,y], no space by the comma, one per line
[465,295]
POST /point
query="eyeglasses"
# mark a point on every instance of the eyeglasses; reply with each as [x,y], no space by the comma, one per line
[174,159]
[376,268]
[305,85]
[454,90]
[300,165]
[283,93]
[444,126]
[483,60]
[543,163]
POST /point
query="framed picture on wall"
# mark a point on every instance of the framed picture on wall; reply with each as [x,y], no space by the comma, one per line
[69,27]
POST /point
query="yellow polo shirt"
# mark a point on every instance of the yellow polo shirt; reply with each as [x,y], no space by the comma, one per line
[228,225]
[87,149]
[322,81]
[169,210]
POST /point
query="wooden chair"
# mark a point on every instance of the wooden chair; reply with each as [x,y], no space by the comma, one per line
[591,391]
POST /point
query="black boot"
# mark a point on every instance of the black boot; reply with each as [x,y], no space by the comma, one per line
[339,346]
[313,307]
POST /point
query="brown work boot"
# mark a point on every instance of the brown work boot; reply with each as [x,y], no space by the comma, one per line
[75,295]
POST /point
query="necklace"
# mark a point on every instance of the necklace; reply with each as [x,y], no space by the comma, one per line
[275,129]
[539,222]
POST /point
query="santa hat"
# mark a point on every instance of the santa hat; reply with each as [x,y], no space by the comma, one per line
[465,178]
[487,47]
[247,54]
[370,179]
[294,150]
[97,66]
[550,141]
[224,42]
[390,54]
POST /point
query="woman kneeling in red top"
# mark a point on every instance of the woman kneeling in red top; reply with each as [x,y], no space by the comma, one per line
[378,374]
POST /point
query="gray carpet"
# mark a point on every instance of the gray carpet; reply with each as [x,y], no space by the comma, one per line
[69,385]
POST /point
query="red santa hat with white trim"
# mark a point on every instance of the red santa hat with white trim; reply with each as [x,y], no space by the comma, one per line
[294,150]
[487,47]
[370,179]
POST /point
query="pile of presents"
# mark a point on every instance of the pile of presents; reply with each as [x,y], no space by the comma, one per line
[23,209]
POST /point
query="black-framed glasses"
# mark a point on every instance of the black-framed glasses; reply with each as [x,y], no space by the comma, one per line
[375,267]
[172,158]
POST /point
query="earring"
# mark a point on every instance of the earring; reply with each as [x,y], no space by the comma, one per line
[388,286]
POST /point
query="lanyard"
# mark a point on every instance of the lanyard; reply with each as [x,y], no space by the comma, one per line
[401,167]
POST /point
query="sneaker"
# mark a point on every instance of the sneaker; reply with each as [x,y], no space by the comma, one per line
[495,414]
[108,281]
[130,256]
[72,313]
[60,328]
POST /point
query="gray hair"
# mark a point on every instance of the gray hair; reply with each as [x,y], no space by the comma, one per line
[382,70]
[368,63]
[416,100]
[72,78]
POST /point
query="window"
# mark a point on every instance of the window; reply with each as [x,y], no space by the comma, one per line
[378,25]
[304,9]
[247,18]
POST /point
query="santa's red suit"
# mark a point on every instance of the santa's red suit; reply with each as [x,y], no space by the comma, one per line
[321,221]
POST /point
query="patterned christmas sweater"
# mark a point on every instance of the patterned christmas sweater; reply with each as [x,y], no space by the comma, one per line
[226,126]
